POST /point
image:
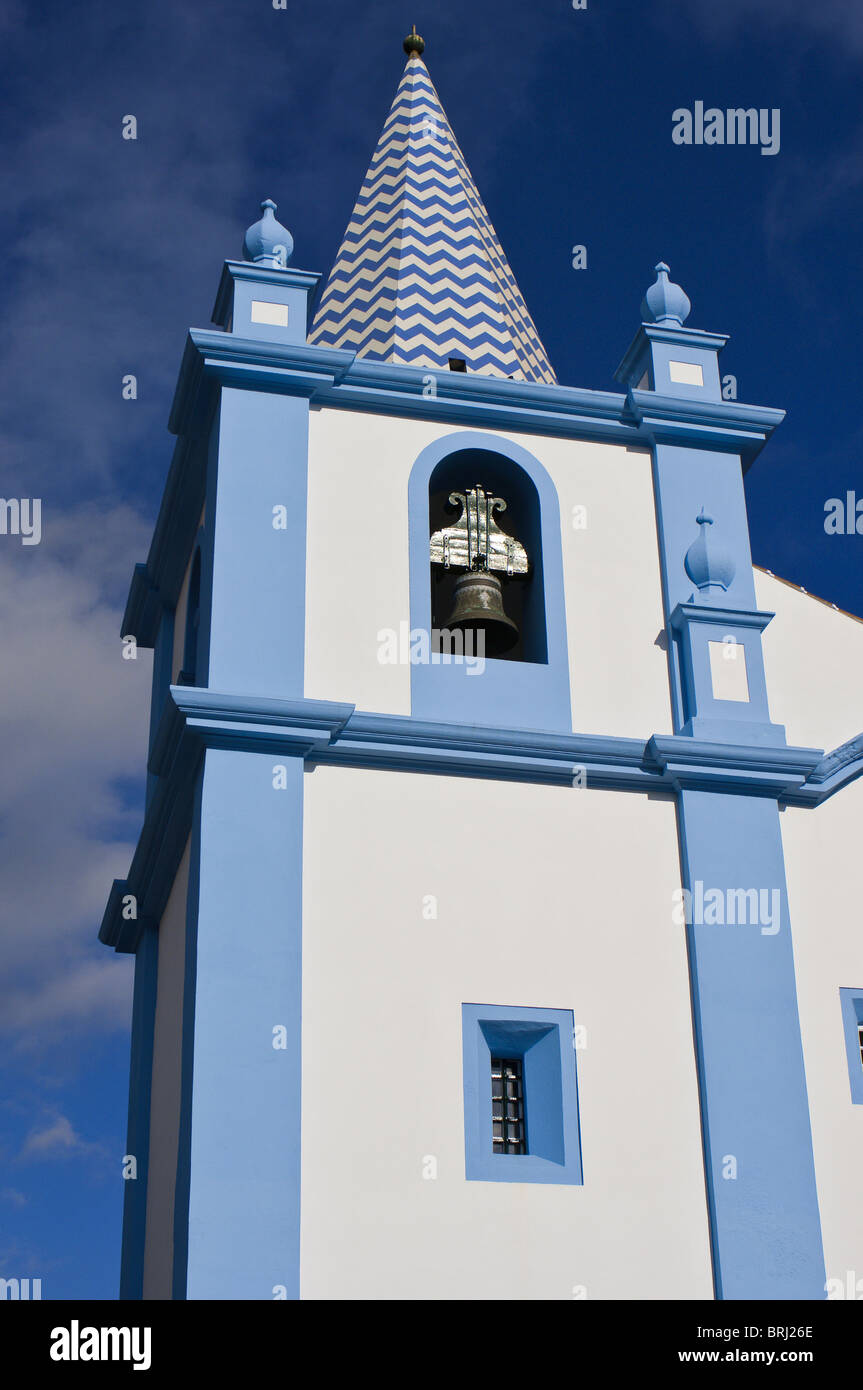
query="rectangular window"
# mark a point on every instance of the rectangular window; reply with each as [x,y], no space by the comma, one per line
[520,1095]
[507,1106]
[852,1026]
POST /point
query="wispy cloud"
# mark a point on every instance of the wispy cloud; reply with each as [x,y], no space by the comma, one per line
[58,1139]
[13,1197]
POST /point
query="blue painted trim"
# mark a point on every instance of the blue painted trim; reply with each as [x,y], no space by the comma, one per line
[184,1138]
[851,1001]
[138,1124]
[257,636]
[143,609]
[650,335]
[835,771]
[243,1112]
[525,694]
[544,1040]
[765,1224]
[686,479]
[163,657]
[192,623]
[706,717]
[340,380]
[262,278]
[163,837]
[157,584]
[326,732]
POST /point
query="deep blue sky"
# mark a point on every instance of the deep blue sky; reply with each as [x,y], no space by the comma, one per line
[113,248]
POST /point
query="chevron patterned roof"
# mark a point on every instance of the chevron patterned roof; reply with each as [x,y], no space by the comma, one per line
[421,276]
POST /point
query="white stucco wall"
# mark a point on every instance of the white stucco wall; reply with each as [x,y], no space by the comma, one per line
[358,568]
[165,1092]
[532,910]
[814,664]
[822,858]
[813,659]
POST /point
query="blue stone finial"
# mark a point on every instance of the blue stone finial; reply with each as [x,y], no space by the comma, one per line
[709,565]
[267,242]
[665,302]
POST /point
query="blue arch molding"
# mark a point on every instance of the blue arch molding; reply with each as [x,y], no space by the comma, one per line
[529,695]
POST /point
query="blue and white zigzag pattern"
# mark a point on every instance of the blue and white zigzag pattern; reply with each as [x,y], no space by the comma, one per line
[421,276]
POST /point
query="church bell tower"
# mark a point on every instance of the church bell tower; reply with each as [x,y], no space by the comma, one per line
[459,703]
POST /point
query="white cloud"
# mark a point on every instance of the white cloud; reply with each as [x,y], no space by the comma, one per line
[58,1140]
[73,720]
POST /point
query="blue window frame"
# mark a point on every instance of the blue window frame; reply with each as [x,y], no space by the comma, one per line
[542,1040]
[852,1022]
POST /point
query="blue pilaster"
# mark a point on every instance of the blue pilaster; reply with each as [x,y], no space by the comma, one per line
[765,1226]
[237,1226]
[138,1124]
[258,561]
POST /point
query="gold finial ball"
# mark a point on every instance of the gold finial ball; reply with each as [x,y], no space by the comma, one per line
[414,43]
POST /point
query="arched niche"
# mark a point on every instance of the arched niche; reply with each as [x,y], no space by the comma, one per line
[523,595]
[530,688]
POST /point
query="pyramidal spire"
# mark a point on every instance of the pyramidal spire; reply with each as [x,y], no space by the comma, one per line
[421,276]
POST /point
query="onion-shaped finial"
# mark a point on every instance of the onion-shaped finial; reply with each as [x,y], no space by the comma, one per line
[665,302]
[267,242]
[708,563]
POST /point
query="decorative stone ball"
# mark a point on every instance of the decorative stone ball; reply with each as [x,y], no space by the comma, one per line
[414,43]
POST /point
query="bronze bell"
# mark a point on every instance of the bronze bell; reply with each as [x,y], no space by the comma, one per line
[478,606]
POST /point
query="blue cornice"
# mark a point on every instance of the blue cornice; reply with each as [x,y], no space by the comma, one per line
[720,615]
[831,774]
[141,618]
[322,732]
[338,379]
[157,583]
[341,380]
[772,770]
[727,426]
[160,847]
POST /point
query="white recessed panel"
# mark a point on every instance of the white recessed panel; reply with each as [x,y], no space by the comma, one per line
[276,314]
[728,671]
[687,373]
